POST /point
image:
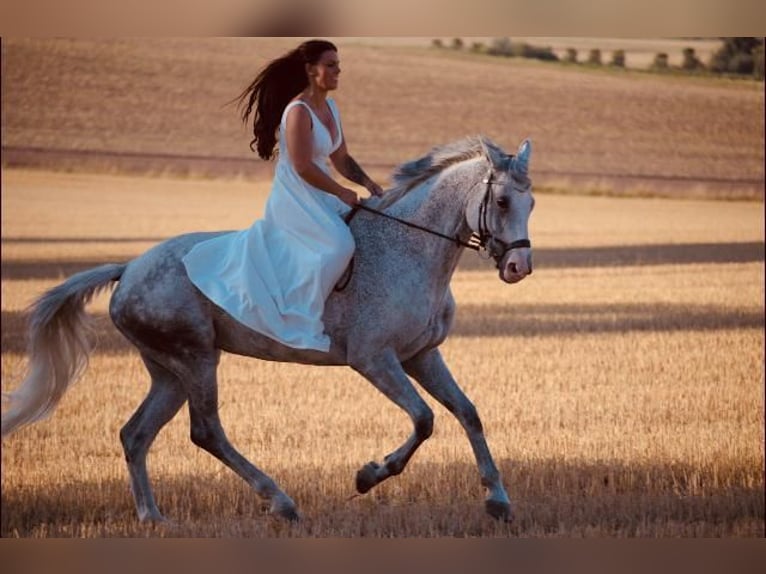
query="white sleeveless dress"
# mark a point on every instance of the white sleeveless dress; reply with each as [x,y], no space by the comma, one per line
[275,276]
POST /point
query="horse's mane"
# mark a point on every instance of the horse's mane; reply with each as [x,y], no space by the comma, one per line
[409,175]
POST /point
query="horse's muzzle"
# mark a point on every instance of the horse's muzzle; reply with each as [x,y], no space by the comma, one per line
[516,265]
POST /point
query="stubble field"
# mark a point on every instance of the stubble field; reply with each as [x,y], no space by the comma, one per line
[621,386]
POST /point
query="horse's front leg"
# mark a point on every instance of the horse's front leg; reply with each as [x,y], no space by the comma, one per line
[386,374]
[429,369]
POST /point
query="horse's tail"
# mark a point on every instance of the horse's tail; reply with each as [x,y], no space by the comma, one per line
[58,346]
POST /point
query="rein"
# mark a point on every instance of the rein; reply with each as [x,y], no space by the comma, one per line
[474,242]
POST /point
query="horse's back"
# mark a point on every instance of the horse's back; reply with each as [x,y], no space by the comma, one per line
[161,268]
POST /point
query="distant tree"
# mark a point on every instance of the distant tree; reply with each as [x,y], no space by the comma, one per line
[457,44]
[537,52]
[691,62]
[478,47]
[660,61]
[736,56]
[504,47]
[594,57]
[571,56]
[437,43]
[501,47]
[758,70]
[618,58]
[742,63]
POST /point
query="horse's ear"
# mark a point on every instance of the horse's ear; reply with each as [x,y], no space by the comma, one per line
[497,158]
[521,161]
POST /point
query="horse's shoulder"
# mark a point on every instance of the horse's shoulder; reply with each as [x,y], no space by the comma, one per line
[446,311]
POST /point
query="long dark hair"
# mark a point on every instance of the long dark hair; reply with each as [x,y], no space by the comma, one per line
[273,88]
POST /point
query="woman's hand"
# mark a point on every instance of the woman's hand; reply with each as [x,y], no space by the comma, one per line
[374,188]
[348,196]
[348,168]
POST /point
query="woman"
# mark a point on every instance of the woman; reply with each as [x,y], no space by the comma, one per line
[275,276]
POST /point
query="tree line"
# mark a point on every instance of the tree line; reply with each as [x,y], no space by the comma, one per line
[740,56]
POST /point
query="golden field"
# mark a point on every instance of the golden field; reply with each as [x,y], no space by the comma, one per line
[621,386]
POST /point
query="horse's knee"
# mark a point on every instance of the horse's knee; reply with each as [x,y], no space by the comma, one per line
[424,424]
[204,437]
[128,444]
[134,442]
[471,419]
[466,413]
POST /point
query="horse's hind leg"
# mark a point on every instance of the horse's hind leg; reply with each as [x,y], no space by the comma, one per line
[207,433]
[165,398]
[432,373]
[387,375]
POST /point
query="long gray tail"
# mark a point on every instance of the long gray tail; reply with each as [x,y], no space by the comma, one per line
[58,346]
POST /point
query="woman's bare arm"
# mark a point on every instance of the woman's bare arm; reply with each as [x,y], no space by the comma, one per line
[348,168]
[299,142]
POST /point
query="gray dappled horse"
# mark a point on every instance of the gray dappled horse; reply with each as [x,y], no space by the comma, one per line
[387,323]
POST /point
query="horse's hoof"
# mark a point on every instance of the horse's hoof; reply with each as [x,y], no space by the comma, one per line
[284,507]
[154,519]
[367,477]
[288,512]
[499,510]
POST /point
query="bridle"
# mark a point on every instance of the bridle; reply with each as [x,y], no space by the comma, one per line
[481,241]
[484,238]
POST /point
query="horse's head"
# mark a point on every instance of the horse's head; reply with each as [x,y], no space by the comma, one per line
[500,212]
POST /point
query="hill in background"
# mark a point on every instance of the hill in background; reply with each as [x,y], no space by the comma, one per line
[159,106]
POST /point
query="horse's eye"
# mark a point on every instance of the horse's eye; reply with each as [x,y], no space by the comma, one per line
[502,202]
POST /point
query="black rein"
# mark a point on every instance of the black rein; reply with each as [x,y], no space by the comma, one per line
[472,243]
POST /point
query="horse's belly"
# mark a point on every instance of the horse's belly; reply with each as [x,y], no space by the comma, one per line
[233,337]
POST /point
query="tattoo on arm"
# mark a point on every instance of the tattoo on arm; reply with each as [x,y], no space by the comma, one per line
[353,172]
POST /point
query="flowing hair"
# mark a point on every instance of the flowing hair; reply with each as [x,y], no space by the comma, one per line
[273,88]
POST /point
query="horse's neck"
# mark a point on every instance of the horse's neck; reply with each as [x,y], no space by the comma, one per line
[439,205]
[440,202]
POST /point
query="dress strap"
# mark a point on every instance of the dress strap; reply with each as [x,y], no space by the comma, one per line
[292,104]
